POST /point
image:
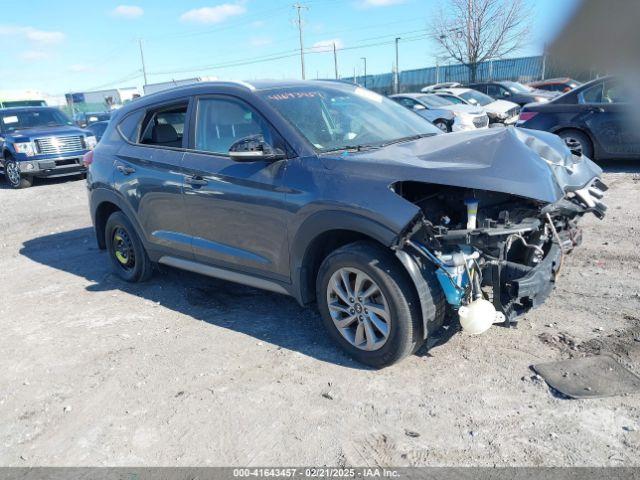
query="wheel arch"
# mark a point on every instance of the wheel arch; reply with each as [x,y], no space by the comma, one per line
[595,147]
[321,234]
[103,203]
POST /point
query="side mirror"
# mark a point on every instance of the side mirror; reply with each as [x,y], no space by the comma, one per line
[506,93]
[417,106]
[253,149]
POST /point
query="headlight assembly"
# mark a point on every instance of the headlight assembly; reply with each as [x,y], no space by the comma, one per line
[26,148]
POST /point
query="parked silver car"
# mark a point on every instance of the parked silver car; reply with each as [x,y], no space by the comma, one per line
[432,107]
[499,111]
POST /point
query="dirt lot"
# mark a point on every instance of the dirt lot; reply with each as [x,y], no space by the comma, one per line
[192,371]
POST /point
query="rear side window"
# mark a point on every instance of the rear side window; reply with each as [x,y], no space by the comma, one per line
[164,127]
[130,126]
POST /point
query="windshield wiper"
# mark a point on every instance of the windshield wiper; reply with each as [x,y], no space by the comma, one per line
[408,139]
[352,148]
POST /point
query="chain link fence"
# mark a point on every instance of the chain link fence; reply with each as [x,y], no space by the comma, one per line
[523,69]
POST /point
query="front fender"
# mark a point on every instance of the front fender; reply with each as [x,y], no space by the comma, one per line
[324,222]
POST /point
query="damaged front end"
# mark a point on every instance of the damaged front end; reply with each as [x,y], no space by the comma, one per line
[496,255]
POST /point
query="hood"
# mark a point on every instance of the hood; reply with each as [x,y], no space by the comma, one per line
[500,106]
[526,163]
[39,132]
[459,108]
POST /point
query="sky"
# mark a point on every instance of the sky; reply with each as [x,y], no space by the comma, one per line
[72,45]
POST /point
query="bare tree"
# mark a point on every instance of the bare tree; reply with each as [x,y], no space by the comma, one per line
[473,31]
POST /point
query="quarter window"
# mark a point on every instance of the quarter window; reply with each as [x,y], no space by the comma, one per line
[221,122]
[130,126]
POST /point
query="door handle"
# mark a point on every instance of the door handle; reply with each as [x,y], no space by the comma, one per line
[125,170]
[196,181]
[596,110]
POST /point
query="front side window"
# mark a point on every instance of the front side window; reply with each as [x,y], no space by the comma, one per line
[434,101]
[164,127]
[407,102]
[13,120]
[494,91]
[344,116]
[129,127]
[221,122]
[592,94]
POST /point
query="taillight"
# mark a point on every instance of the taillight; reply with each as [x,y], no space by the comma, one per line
[87,158]
[526,116]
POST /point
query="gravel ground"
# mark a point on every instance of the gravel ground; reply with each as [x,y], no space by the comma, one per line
[186,370]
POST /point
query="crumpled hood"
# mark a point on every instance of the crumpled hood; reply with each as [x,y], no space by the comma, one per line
[459,108]
[522,162]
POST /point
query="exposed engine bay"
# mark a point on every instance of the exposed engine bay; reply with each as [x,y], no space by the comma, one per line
[495,255]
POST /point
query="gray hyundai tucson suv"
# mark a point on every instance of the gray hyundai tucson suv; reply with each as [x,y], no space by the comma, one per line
[333,194]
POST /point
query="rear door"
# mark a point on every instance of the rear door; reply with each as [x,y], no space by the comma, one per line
[148,174]
[236,210]
[607,115]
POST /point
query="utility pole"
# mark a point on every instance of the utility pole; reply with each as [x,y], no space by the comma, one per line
[299,7]
[144,68]
[365,70]
[396,77]
[335,60]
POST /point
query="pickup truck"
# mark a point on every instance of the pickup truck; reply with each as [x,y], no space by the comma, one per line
[41,142]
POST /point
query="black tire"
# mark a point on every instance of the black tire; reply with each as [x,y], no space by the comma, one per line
[405,327]
[18,182]
[576,138]
[126,252]
[442,125]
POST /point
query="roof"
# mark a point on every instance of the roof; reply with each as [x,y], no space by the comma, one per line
[454,90]
[410,95]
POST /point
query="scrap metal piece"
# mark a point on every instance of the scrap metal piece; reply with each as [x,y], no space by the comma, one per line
[589,377]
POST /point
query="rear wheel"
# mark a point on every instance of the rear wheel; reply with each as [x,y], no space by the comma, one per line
[13,176]
[369,305]
[126,252]
[577,142]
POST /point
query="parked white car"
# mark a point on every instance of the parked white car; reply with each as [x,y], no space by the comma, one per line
[446,115]
[499,111]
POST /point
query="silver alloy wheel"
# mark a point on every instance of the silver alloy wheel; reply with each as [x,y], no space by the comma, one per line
[12,172]
[573,143]
[358,308]
[442,126]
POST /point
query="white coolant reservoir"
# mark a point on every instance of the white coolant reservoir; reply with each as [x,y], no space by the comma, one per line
[478,316]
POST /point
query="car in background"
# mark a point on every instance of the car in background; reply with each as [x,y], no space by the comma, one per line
[41,142]
[98,128]
[436,86]
[513,91]
[593,120]
[446,115]
[561,85]
[83,119]
[499,111]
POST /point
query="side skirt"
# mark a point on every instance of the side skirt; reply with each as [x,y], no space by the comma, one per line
[223,274]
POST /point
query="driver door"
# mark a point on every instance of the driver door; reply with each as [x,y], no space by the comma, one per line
[236,210]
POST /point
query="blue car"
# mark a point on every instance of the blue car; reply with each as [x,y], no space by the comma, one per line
[41,142]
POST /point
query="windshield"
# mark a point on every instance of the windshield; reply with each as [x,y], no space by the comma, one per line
[20,119]
[516,87]
[334,118]
[476,98]
[434,101]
